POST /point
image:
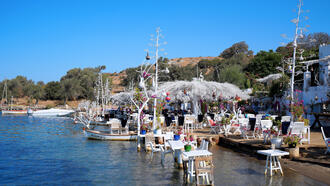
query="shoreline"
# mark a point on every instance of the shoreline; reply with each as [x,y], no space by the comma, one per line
[315,170]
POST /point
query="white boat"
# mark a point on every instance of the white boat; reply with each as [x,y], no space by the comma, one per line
[52,112]
[13,112]
[98,135]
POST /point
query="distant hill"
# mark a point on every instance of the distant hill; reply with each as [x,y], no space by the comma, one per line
[180,62]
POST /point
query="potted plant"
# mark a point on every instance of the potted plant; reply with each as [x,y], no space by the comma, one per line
[144,128]
[157,130]
[177,134]
[293,141]
[277,141]
[187,147]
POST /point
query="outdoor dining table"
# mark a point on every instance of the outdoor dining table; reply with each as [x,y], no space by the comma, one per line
[273,162]
[191,155]
[177,147]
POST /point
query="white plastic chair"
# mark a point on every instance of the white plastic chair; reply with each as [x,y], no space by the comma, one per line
[213,125]
[244,126]
[189,121]
[204,145]
[326,138]
[297,129]
[285,118]
[266,125]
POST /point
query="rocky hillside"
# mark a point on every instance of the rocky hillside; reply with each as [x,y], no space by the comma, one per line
[181,62]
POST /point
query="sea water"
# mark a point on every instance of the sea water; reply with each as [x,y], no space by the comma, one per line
[54,151]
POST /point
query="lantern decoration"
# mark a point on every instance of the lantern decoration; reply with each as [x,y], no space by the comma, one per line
[185,92]
[168,99]
[237,98]
[147,57]
[167,93]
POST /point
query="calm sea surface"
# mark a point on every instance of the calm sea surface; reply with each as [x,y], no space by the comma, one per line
[38,151]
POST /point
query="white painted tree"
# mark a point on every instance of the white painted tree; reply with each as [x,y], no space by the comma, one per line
[141,97]
[299,29]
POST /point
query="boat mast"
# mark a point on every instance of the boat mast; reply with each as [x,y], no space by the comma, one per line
[5,93]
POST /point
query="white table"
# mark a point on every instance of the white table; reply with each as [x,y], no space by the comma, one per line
[191,156]
[272,156]
[177,147]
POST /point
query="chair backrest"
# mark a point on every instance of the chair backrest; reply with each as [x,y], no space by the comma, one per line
[116,124]
[243,121]
[297,128]
[203,164]
[189,118]
[162,119]
[273,117]
[325,132]
[285,127]
[285,118]
[266,124]
[150,139]
[258,118]
[250,115]
[204,145]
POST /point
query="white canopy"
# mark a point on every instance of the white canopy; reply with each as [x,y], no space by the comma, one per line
[122,97]
[207,90]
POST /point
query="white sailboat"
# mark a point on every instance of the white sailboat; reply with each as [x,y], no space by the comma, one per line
[52,112]
[7,109]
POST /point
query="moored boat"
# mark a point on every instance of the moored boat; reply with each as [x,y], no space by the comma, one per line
[52,112]
[101,135]
[13,112]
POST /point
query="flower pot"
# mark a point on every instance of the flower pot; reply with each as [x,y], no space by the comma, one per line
[143,132]
[187,148]
[277,142]
[176,137]
[294,152]
[158,131]
[292,145]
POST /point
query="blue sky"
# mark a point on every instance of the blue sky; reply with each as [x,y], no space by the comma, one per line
[43,39]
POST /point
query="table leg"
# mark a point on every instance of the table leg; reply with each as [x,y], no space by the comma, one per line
[266,165]
[279,165]
[275,163]
[309,135]
[271,166]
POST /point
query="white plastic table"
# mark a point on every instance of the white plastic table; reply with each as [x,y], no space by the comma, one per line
[191,156]
[272,156]
[177,147]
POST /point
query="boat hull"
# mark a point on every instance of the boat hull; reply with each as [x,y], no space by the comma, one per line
[14,112]
[94,134]
[52,112]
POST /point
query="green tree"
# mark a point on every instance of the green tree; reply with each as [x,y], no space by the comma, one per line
[237,48]
[234,75]
[264,63]
[52,91]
